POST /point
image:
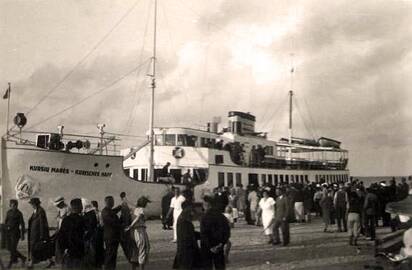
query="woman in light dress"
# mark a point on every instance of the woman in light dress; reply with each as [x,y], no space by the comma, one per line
[141,248]
[267,210]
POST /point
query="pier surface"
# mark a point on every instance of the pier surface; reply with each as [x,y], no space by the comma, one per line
[310,249]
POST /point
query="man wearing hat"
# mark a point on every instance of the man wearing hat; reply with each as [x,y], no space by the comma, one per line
[62,208]
[38,233]
[15,231]
[63,211]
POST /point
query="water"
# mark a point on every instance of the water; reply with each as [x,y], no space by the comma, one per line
[368,180]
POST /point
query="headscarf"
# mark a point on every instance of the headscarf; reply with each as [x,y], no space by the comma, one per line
[87,206]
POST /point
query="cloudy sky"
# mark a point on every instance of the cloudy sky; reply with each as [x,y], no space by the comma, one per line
[352,62]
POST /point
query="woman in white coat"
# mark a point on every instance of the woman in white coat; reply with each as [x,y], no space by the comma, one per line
[267,209]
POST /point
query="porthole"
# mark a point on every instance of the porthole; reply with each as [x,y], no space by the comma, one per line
[96,164]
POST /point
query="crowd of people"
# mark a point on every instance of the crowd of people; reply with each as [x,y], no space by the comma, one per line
[352,207]
[85,237]
[89,238]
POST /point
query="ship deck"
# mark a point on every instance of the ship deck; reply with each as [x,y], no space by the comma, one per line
[310,249]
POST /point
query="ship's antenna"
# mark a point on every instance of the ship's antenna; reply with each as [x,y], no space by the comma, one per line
[292,70]
[153,87]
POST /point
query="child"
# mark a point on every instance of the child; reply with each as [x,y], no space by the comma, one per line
[229,215]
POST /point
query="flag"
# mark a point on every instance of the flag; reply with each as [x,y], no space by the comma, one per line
[7,94]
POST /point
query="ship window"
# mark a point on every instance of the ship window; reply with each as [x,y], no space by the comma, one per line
[136,174]
[207,142]
[158,140]
[170,139]
[287,178]
[220,179]
[263,179]
[186,140]
[127,172]
[199,175]
[143,175]
[238,179]
[306,178]
[276,179]
[230,179]
[281,178]
[253,179]
[297,178]
[269,150]
[270,179]
[219,159]
[177,175]
[156,174]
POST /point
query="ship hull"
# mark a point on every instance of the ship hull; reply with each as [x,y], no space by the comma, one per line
[28,172]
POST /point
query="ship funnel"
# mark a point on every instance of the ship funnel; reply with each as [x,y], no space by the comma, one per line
[213,126]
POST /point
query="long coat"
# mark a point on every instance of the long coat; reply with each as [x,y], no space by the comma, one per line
[188,253]
[38,227]
[39,245]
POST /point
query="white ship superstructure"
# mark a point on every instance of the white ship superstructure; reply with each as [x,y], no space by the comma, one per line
[238,155]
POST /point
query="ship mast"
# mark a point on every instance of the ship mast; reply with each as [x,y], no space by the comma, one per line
[153,87]
[290,109]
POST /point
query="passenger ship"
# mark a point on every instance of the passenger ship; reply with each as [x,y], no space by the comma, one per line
[237,155]
[49,164]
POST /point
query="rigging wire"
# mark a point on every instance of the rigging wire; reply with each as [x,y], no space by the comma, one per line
[138,99]
[138,93]
[84,58]
[161,79]
[171,42]
[92,94]
[267,110]
[312,123]
[268,124]
[303,119]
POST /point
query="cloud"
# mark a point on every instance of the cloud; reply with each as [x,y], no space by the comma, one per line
[351,80]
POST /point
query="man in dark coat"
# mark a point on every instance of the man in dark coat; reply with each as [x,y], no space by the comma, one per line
[38,234]
[71,236]
[15,231]
[188,253]
[111,232]
[221,199]
[125,220]
[214,234]
[166,220]
[281,218]
[370,209]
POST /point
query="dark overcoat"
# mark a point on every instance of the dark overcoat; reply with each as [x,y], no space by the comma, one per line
[188,253]
[38,227]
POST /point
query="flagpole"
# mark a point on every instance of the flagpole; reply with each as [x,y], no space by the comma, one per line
[8,111]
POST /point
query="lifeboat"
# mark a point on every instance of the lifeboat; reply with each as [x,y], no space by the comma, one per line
[326,142]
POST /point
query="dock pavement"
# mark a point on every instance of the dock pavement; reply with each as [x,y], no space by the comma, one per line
[310,248]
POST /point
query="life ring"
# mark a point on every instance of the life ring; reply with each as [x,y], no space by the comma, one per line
[178,152]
